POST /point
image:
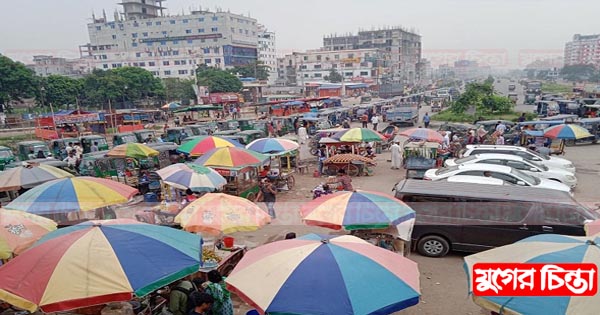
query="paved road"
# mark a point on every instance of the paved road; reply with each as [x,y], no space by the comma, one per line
[502,89]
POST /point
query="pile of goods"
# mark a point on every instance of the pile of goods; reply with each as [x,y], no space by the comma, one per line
[210,257]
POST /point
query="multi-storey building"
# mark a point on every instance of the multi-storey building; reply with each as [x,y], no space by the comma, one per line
[267,51]
[315,65]
[583,50]
[170,46]
[404,48]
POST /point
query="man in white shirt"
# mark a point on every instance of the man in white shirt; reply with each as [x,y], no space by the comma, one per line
[69,147]
[302,134]
[71,159]
[375,121]
[446,143]
[501,127]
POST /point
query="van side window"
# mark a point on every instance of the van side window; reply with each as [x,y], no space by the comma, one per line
[496,162]
[472,173]
[431,206]
[562,214]
[524,155]
[497,211]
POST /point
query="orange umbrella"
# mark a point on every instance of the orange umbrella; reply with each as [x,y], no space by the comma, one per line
[19,230]
[216,213]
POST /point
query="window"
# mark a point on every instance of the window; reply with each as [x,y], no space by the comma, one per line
[188,31]
[317,67]
[200,30]
[334,65]
[190,41]
[318,57]
[336,57]
[562,214]
[175,42]
[114,37]
[217,50]
[306,75]
[182,72]
[303,67]
[246,31]
[148,23]
[177,62]
[215,40]
[183,62]
[134,35]
[206,61]
[157,23]
[164,33]
[135,64]
[175,52]
[348,74]
[240,31]
[214,29]
[155,72]
[305,58]
[138,55]
[163,43]
[317,75]
[215,18]
[165,63]
[201,19]
[105,66]
[148,43]
[167,72]
[172,21]
[185,21]
[206,50]
[363,73]
[217,60]
[98,28]
[142,64]
[518,165]
[233,31]
[134,44]
[349,65]
[151,63]
[145,34]
[350,55]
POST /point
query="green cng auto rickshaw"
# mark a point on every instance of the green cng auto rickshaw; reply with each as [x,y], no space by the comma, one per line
[58,147]
[124,137]
[250,135]
[29,150]
[6,157]
[88,141]
[142,135]
[176,134]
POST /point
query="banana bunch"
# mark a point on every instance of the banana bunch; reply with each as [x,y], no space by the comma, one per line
[210,256]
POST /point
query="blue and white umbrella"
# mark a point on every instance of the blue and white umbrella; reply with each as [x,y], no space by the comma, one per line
[544,248]
[171,106]
[192,176]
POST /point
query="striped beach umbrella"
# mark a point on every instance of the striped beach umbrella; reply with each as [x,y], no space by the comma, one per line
[424,134]
[231,158]
[566,131]
[72,194]
[325,275]
[202,144]
[98,262]
[358,135]
[544,248]
[132,150]
[193,176]
[272,145]
[29,175]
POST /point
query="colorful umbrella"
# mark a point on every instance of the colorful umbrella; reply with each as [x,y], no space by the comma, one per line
[217,213]
[272,145]
[543,248]
[19,230]
[231,157]
[98,262]
[423,134]
[171,106]
[316,275]
[356,210]
[29,175]
[566,131]
[358,135]
[132,150]
[72,194]
[203,144]
[193,176]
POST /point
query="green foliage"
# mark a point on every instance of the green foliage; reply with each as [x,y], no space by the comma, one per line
[217,80]
[578,72]
[16,81]
[139,83]
[482,97]
[179,89]
[59,90]
[334,76]
[101,86]
[449,116]
[495,104]
[549,87]
[489,80]
[256,70]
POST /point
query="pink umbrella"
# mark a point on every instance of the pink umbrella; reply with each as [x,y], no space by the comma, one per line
[423,134]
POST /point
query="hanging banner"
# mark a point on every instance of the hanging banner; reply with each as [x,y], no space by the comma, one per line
[75,119]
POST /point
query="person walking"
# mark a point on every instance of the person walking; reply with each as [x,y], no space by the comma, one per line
[322,155]
[267,193]
[375,121]
[216,288]
[426,120]
[396,155]
[365,120]
[501,127]
[302,134]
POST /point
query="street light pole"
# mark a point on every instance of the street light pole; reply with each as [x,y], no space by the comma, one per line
[124,92]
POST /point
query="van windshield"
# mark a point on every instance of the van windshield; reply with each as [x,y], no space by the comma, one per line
[543,156]
[445,170]
[526,177]
[465,159]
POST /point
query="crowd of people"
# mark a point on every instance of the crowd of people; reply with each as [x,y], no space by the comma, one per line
[195,296]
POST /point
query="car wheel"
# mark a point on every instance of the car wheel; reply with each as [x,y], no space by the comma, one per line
[433,246]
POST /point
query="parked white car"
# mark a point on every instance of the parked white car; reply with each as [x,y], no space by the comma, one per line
[505,173]
[550,161]
[527,166]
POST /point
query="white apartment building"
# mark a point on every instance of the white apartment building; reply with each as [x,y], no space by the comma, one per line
[170,46]
[267,51]
[582,50]
[315,65]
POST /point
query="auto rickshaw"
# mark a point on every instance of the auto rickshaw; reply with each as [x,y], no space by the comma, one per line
[203,129]
[29,150]
[177,134]
[58,146]
[419,157]
[593,126]
[252,124]
[228,125]
[242,182]
[88,141]
[250,135]
[6,157]
[142,135]
[124,137]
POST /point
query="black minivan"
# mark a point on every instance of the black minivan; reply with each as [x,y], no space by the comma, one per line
[472,217]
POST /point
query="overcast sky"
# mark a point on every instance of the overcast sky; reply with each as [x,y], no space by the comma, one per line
[496,32]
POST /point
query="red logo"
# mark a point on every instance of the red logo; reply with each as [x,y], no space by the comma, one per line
[515,279]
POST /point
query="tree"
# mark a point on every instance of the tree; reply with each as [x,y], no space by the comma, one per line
[256,70]
[101,86]
[16,81]
[59,90]
[139,83]
[334,76]
[218,80]
[578,72]
[482,97]
[489,80]
[179,89]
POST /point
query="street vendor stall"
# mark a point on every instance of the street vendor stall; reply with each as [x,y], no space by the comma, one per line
[419,157]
